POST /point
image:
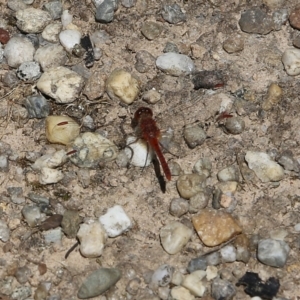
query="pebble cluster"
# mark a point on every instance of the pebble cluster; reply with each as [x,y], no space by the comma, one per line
[204,221]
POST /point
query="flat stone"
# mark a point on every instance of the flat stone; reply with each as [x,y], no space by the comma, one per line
[151,30]
[61,84]
[98,282]
[264,167]
[215,227]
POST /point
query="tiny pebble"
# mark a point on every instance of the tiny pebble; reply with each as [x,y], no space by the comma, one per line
[151,30]
[49,176]
[203,166]
[194,136]
[264,167]
[175,64]
[115,221]
[170,47]
[235,125]
[38,199]
[128,3]
[18,50]
[273,253]
[92,239]
[37,106]
[144,61]
[61,84]
[222,289]
[273,97]
[193,282]
[178,207]
[173,14]
[207,79]
[66,18]
[228,253]
[278,234]
[198,202]
[234,44]
[213,259]
[22,274]
[215,227]
[280,17]
[70,223]
[297,227]
[162,276]
[211,272]
[133,286]
[121,85]
[181,293]
[16,194]
[287,160]
[174,236]
[255,20]
[21,292]
[4,232]
[51,32]
[230,173]
[291,61]
[4,163]
[32,20]
[198,263]
[32,214]
[29,71]
[98,282]
[189,185]
[177,277]
[151,96]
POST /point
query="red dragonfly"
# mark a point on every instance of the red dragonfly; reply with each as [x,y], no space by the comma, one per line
[147,129]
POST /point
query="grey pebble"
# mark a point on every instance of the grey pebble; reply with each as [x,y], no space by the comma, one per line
[128,3]
[29,71]
[273,252]
[53,236]
[4,231]
[203,166]
[151,30]
[230,173]
[98,282]
[38,198]
[22,274]
[105,11]
[10,79]
[54,297]
[4,163]
[228,253]
[235,125]
[194,136]
[21,293]
[255,20]
[170,47]
[70,223]
[1,53]
[162,276]
[198,202]
[179,207]
[296,41]
[287,160]
[173,14]
[213,259]
[16,195]
[37,106]
[34,39]
[234,44]
[144,61]
[32,214]
[88,122]
[198,263]
[222,289]
[54,8]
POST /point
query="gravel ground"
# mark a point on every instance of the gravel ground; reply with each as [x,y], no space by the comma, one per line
[246,105]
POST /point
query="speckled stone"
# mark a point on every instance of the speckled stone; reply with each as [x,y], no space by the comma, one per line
[151,30]
[215,227]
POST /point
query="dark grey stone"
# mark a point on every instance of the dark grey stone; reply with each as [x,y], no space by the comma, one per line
[173,14]
[37,106]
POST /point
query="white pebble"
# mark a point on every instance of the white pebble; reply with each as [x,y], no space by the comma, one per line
[228,253]
[175,64]
[51,32]
[18,50]
[137,151]
[181,293]
[193,282]
[69,38]
[54,160]
[4,231]
[48,176]
[29,70]
[61,83]
[162,276]
[92,239]
[66,18]
[291,61]
[174,236]
[297,227]
[32,214]
[115,221]
[264,167]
